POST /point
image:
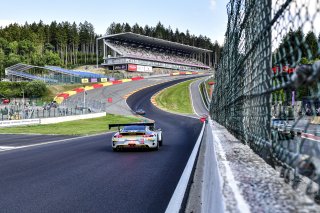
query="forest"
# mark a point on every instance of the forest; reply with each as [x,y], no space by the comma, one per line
[69,44]
[294,49]
[61,44]
[297,48]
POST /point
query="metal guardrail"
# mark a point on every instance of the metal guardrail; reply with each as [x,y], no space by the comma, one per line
[267,46]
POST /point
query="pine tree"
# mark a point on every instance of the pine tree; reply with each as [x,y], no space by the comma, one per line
[312,45]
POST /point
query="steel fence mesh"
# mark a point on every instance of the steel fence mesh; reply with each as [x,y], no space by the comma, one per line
[267,84]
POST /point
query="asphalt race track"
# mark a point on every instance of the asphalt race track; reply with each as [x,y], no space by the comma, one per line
[85,175]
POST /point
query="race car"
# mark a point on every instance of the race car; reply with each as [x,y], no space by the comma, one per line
[136,135]
[140,112]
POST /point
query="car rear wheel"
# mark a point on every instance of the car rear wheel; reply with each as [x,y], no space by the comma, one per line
[115,149]
[158,146]
[160,142]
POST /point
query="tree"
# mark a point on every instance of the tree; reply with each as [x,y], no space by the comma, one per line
[127,28]
[312,45]
[111,28]
[159,31]
[35,89]
[12,59]
[136,28]
[2,63]
[51,58]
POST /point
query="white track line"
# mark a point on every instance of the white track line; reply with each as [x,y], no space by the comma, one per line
[242,204]
[178,195]
[3,148]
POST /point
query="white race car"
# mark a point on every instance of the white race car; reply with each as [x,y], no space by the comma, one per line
[136,135]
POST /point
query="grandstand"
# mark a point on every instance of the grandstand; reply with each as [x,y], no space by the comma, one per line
[134,52]
[51,74]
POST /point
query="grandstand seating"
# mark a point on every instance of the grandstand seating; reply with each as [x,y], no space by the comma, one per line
[31,77]
[144,53]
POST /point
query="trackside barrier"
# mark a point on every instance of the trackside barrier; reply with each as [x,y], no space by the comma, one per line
[176,201]
[71,118]
[9,123]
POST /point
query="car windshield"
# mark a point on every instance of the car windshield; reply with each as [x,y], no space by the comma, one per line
[134,128]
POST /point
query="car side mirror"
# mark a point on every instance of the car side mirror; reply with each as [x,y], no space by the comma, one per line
[159,129]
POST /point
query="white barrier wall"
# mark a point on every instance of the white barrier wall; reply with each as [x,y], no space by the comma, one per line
[71,118]
[9,123]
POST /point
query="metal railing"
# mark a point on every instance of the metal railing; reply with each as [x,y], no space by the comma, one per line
[268,84]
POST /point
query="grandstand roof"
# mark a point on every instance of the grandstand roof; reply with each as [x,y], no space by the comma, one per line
[137,38]
[20,71]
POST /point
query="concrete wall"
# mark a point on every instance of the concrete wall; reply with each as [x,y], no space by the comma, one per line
[10,123]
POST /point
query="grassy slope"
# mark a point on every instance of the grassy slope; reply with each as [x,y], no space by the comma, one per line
[79,127]
[53,90]
[176,98]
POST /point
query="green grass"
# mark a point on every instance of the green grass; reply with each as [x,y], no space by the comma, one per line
[79,127]
[176,98]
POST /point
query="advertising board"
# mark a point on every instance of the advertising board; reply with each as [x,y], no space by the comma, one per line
[132,67]
[148,69]
[84,80]
[94,80]
[120,67]
[140,68]
[104,79]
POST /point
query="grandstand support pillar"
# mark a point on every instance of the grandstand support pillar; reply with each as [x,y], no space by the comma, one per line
[97,52]
[104,49]
[205,58]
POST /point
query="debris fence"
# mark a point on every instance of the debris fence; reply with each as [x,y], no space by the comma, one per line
[267,86]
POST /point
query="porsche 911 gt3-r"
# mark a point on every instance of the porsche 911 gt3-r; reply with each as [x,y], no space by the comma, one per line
[136,135]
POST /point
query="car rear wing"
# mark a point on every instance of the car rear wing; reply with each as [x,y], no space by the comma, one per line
[131,124]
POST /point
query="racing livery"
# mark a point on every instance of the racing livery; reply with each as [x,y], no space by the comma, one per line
[136,135]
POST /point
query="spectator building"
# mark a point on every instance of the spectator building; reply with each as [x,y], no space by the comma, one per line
[138,53]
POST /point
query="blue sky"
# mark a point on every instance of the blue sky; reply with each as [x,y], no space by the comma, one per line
[206,17]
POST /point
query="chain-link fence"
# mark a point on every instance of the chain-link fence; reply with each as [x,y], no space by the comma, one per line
[267,85]
[15,112]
